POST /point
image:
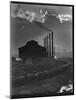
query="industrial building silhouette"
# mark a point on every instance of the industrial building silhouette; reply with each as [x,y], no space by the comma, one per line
[33,50]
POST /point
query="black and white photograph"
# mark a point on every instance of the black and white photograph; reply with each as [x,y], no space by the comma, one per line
[41,49]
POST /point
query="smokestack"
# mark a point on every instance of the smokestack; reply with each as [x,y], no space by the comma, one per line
[52,43]
[48,44]
[54,51]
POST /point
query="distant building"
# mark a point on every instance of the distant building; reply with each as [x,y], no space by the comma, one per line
[32,50]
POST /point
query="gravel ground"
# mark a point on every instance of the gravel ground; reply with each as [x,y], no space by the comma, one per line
[40,86]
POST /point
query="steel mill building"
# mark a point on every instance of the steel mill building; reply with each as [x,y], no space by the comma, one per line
[33,50]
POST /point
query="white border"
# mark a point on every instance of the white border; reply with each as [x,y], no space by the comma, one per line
[5,48]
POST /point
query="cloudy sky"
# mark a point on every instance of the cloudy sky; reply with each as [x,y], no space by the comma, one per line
[30,22]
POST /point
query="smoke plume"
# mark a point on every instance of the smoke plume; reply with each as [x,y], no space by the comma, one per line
[28,15]
[60,17]
[41,17]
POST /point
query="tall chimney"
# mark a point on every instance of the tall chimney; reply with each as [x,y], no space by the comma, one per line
[54,51]
[48,44]
[52,43]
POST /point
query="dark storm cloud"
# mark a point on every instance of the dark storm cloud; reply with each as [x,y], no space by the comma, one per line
[22,30]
